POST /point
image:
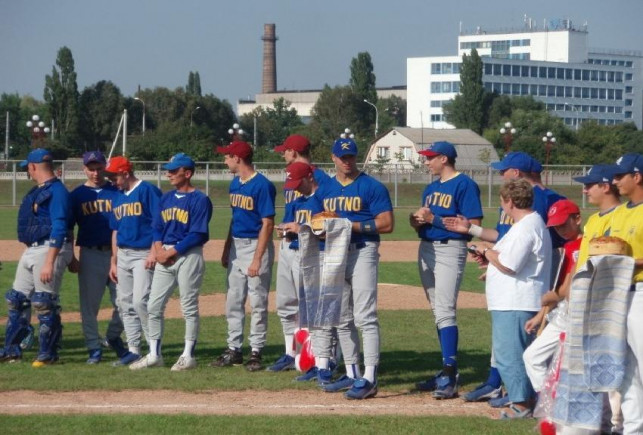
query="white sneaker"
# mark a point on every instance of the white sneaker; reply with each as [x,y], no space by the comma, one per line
[184,363]
[146,362]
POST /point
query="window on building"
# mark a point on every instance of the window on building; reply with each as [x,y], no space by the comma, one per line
[515,89]
[610,109]
[628,115]
[524,71]
[436,118]
[601,109]
[594,93]
[619,77]
[384,152]
[506,70]
[569,92]
[585,75]
[436,68]
[577,74]
[446,68]
[628,89]
[488,86]
[533,89]
[436,87]
[628,64]
[569,73]
[497,88]
[594,109]
[618,94]
[506,88]
[560,91]
[526,42]
[594,75]
[406,153]
[602,76]
[602,93]
[524,89]
[515,71]
[577,92]
[560,107]
[542,72]
[618,109]
[551,72]
[456,68]
[610,94]
[542,90]
[551,91]
[585,93]
[488,69]
[446,87]
[560,73]
[497,69]
[533,71]
[584,108]
[455,87]
[610,76]
[436,103]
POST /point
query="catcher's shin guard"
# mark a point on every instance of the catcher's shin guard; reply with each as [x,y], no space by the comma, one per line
[17,324]
[46,305]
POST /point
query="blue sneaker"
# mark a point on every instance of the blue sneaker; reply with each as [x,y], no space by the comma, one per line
[500,402]
[430,384]
[324,377]
[446,387]
[27,342]
[310,375]
[483,392]
[95,355]
[341,384]
[127,359]
[285,362]
[362,389]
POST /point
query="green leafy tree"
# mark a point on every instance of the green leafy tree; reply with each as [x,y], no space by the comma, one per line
[274,124]
[392,112]
[362,83]
[467,109]
[101,105]
[61,95]
[194,84]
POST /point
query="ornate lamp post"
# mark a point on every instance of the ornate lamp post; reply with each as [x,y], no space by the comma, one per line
[38,130]
[235,132]
[508,134]
[347,134]
[192,114]
[143,103]
[549,141]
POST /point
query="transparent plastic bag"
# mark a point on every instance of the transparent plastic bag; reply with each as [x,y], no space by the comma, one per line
[545,407]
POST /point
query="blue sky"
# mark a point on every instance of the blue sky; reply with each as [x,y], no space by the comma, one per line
[157,42]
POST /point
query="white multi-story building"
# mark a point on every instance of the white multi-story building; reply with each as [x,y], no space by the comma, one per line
[552,64]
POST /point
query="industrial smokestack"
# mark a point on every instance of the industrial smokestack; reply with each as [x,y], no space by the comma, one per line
[269,82]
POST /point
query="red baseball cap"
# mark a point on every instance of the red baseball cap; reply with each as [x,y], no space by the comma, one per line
[118,164]
[295,172]
[295,142]
[237,148]
[560,211]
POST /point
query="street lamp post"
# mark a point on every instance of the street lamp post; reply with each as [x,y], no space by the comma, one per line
[236,132]
[549,140]
[38,130]
[192,114]
[577,118]
[377,116]
[143,103]
[508,134]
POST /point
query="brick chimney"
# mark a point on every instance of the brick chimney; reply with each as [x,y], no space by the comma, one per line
[269,78]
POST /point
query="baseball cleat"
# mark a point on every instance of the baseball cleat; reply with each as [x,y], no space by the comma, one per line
[324,377]
[184,363]
[147,362]
[285,362]
[483,392]
[27,342]
[229,357]
[127,359]
[341,384]
[37,363]
[362,389]
[446,387]
[254,362]
[95,356]
[310,375]
[430,384]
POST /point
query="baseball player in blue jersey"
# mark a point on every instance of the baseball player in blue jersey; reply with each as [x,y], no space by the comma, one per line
[180,231]
[91,205]
[296,148]
[248,255]
[133,260]
[364,201]
[443,254]
[43,226]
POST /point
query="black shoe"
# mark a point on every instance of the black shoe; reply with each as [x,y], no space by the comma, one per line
[254,362]
[229,357]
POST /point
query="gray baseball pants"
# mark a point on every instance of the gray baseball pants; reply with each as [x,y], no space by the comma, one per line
[187,272]
[27,279]
[288,284]
[133,291]
[441,270]
[93,277]
[240,286]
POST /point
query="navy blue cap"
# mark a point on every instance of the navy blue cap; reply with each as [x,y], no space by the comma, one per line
[344,147]
[440,148]
[94,156]
[515,160]
[536,167]
[629,164]
[38,155]
[598,174]
[180,160]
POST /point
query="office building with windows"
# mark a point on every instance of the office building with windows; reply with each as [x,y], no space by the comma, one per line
[553,64]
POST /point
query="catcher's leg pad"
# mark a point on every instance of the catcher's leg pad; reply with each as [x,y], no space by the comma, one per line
[48,310]
[17,322]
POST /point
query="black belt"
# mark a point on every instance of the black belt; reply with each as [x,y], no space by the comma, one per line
[356,246]
[441,242]
[99,247]
[38,243]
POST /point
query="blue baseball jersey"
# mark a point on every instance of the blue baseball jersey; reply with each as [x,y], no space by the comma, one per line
[305,207]
[358,201]
[290,195]
[251,201]
[133,213]
[183,220]
[92,211]
[459,195]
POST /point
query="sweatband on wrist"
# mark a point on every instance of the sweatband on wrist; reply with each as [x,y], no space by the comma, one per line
[475,230]
[368,227]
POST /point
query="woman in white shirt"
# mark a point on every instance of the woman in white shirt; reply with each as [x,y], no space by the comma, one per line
[517,277]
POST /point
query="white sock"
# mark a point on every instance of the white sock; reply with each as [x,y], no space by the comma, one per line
[323,363]
[188,350]
[256,350]
[369,373]
[134,349]
[288,339]
[155,348]
[352,371]
[317,361]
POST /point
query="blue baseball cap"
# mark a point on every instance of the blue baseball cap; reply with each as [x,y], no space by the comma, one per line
[38,155]
[629,164]
[536,167]
[344,147]
[94,156]
[598,174]
[515,160]
[180,160]
[440,148]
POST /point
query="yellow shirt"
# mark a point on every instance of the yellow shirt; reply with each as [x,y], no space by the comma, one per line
[597,225]
[627,224]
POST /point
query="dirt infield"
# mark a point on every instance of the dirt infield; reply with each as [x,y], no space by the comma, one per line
[285,402]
